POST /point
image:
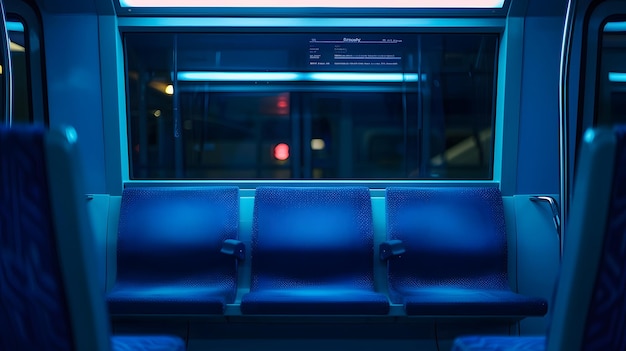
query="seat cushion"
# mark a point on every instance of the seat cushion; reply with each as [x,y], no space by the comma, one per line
[166,299]
[462,301]
[499,343]
[326,301]
[147,343]
[159,226]
[452,236]
[169,258]
[288,236]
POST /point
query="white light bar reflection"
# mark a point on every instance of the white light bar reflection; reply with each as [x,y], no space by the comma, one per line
[362,77]
[617,77]
[240,76]
[615,27]
[411,4]
[298,77]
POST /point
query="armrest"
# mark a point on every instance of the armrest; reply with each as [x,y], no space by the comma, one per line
[234,248]
[391,248]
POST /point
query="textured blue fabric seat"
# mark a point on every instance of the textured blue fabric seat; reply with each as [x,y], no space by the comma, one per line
[454,260]
[500,343]
[589,307]
[169,258]
[312,253]
[49,297]
[143,343]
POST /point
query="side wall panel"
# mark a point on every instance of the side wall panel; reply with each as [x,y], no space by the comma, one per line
[74,88]
[538,152]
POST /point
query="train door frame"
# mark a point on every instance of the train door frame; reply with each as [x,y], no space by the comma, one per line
[578,85]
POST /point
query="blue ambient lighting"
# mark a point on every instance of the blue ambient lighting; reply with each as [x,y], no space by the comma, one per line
[617,77]
[297,76]
[412,4]
[615,27]
[71,135]
[590,134]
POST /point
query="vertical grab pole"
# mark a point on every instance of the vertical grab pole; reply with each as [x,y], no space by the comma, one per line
[8,73]
[179,165]
[564,114]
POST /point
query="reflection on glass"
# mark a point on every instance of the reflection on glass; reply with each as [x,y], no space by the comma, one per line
[310,106]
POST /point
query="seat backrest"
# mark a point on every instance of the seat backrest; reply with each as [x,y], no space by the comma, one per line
[176,234]
[452,236]
[305,237]
[589,308]
[49,295]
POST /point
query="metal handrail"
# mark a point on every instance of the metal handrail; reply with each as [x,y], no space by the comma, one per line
[566,45]
[555,216]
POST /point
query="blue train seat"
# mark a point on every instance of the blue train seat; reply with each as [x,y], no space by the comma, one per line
[174,251]
[49,296]
[451,254]
[589,309]
[312,253]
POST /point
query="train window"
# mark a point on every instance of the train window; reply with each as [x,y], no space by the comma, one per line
[21,104]
[25,34]
[310,105]
[611,95]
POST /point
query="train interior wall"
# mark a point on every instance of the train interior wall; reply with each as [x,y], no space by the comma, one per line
[85,82]
[85,87]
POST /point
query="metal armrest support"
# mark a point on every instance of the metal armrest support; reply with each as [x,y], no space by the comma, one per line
[234,248]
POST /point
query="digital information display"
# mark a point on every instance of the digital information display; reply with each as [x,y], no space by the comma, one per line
[355,52]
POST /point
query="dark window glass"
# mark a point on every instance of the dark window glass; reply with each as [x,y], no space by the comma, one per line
[611,96]
[310,106]
[18,45]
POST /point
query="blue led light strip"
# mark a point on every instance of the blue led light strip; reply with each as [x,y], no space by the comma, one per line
[412,4]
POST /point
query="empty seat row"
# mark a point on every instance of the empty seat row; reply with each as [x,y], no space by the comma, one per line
[312,252]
